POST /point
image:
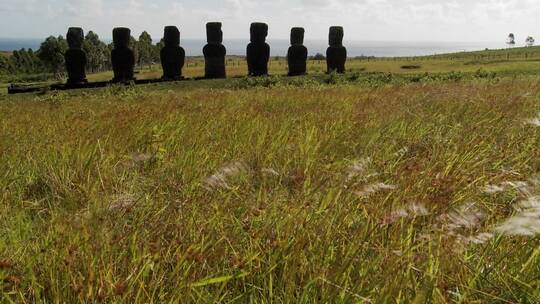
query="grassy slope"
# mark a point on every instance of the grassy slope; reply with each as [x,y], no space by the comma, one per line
[505,62]
[218,191]
[469,62]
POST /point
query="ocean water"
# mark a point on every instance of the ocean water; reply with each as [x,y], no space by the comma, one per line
[194,47]
[10,44]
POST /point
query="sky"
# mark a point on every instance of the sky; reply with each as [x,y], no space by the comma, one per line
[363,20]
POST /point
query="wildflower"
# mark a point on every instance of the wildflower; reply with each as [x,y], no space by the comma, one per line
[535,181]
[122,202]
[398,253]
[358,168]
[219,180]
[526,222]
[492,189]
[402,152]
[269,171]
[481,238]
[418,210]
[510,171]
[467,216]
[534,121]
[413,211]
[142,158]
[374,188]
[522,187]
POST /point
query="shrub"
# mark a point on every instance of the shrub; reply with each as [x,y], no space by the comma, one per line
[333,78]
[411,67]
[318,56]
[250,82]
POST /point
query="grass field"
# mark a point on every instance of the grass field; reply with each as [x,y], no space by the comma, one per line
[385,185]
[504,62]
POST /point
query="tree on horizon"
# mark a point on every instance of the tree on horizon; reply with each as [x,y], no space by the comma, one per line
[51,53]
[97,52]
[529,41]
[511,40]
[145,49]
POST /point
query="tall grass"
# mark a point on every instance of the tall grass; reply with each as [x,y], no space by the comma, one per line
[300,194]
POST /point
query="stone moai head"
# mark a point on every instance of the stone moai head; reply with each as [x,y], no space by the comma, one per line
[75,37]
[336,36]
[171,36]
[258,32]
[297,36]
[214,35]
[121,36]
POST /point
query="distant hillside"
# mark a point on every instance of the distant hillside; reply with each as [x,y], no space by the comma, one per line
[525,52]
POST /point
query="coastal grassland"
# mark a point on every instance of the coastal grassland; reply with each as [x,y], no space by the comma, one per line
[265,191]
[516,64]
[507,62]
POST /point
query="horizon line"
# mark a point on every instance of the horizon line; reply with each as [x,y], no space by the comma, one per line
[287,39]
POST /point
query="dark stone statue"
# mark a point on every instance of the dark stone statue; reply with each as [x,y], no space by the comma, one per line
[258,51]
[214,52]
[122,57]
[75,57]
[298,53]
[172,55]
[336,55]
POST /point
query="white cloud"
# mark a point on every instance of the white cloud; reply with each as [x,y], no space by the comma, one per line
[420,20]
[84,8]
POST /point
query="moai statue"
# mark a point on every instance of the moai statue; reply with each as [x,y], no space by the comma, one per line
[122,57]
[75,57]
[172,55]
[336,55]
[298,53]
[258,51]
[214,52]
